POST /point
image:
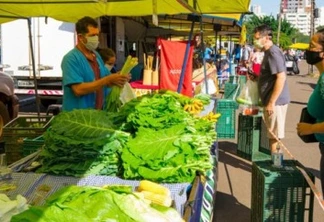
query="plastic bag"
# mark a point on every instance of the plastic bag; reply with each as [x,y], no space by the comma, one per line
[127,93]
[249,94]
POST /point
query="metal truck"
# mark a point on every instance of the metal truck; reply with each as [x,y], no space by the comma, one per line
[51,40]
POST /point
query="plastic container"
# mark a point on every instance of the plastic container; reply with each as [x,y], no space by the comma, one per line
[280,194]
[20,128]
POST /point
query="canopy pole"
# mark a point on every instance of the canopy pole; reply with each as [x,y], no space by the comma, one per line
[203,54]
[185,60]
[33,65]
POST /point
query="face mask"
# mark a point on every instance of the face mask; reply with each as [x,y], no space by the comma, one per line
[109,67]
[92,42]
[313,57]
[258,44]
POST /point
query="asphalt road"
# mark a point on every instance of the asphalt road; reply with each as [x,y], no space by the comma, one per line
[233,198]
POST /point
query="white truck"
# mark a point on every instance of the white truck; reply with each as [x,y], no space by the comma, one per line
[51,39]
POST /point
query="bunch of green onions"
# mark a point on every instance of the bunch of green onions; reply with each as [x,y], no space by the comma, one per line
[113,102]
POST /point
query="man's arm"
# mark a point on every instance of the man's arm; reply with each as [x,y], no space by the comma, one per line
[117,79]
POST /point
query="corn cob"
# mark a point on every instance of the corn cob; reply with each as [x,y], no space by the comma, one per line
[146,185]
[160,199]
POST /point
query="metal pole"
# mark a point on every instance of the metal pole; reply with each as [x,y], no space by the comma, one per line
[33,65]
[279,24]
[312,28]
[185,60]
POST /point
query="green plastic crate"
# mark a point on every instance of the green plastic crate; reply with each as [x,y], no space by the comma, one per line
[264,140]
[225,125]
[231,91]
[280,194]
[248,139]
[241,79]
[20,128]
[32,145]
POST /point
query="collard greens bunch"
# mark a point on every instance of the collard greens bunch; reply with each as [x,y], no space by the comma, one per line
[82,142]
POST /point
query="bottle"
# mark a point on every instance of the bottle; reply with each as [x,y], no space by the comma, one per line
[277,157]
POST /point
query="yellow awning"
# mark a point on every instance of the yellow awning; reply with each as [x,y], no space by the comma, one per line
[301,46]
[72,10]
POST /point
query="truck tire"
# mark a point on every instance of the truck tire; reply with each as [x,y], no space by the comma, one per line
[4,113]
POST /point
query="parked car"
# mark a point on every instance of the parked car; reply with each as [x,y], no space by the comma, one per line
[9,102]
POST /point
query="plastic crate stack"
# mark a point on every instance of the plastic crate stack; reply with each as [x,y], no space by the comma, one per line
[225,126]
[233,86]
[32,145]
[280,194]
[20,128]
[249,138]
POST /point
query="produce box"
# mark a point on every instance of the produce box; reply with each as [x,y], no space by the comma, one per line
[280,194]
[264,140]
[248,139]
[32,145]
[231,90]
[225,126]
[20,128]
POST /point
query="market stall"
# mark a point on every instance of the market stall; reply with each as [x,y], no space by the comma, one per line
[73,154]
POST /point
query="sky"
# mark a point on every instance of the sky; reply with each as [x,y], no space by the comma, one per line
[272,6]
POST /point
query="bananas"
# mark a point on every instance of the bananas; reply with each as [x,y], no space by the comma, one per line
[213,117]
[193,106]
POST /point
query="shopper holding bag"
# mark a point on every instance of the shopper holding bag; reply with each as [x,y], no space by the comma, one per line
[272,84]
[315,105]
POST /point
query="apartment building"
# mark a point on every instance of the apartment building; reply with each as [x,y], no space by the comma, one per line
[298,13]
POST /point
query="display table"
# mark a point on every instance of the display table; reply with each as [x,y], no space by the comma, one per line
[37,187]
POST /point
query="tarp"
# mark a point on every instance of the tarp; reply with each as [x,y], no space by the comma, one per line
[301,46]
[172,56]
[72,10]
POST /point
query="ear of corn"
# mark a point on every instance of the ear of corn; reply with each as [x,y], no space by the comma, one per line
[146,185]
[160,199]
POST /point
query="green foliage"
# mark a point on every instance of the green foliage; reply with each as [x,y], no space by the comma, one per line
[287,34]
[90,204]
[82,142]
[320,27]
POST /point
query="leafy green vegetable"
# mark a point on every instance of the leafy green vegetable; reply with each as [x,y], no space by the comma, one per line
[92,204]
[69,150]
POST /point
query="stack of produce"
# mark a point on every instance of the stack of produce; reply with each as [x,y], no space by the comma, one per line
[169,144]
[75,203]
[82,142]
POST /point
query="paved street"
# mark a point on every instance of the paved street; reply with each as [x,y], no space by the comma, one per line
[233,198]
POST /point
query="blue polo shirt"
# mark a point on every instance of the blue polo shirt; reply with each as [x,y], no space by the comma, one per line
[315,105]
[77,69]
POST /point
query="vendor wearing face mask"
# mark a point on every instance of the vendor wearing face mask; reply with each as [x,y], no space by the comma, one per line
[86,80]
[315,105]
[109,58]
[272,84]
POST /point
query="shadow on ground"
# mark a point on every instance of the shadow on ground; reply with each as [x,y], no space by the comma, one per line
[227,155]
[299,103]
[226,205]
[312,85]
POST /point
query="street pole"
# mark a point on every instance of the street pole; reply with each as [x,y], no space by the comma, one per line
[312,26]
[279,24]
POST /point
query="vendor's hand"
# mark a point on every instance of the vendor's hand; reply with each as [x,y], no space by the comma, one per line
[304,129]
[117,79]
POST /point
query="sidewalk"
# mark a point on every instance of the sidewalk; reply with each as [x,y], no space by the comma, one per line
[233,198]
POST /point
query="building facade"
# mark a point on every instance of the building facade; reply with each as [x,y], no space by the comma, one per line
[299,14]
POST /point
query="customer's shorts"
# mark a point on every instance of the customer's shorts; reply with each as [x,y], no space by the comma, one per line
[277,121]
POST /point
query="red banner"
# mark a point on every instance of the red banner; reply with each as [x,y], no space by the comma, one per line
[172,56]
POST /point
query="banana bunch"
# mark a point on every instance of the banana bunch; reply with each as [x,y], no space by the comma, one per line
[194,106]
[213,117]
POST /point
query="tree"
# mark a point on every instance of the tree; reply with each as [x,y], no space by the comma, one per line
[320,27]
[287,34]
